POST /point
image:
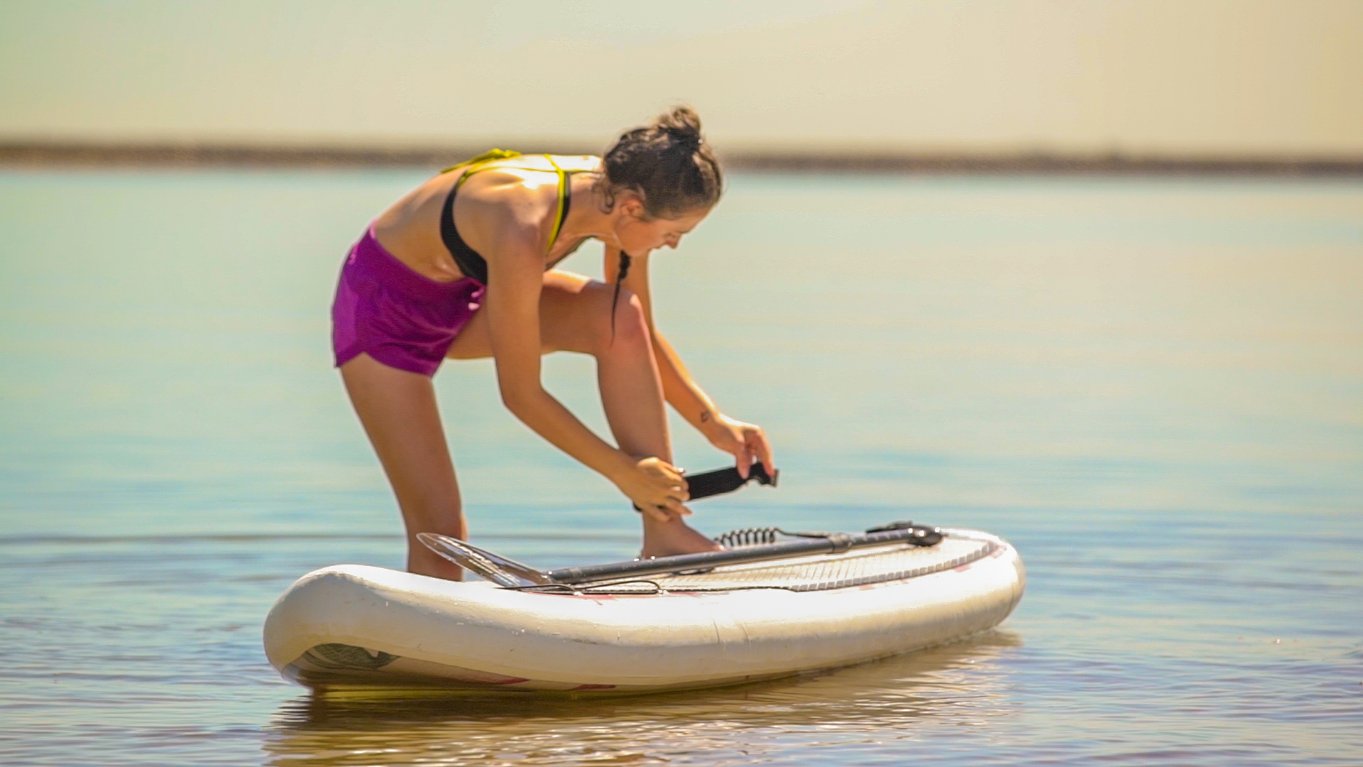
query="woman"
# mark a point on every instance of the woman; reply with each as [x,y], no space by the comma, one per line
[463,267]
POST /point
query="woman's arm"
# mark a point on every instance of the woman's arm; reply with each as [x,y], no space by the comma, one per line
[746,442]
[515,281]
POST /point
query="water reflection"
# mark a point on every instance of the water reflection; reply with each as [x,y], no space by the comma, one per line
[868,705]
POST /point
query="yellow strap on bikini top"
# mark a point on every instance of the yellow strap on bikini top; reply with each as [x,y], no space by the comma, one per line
[484,158]
[478,163]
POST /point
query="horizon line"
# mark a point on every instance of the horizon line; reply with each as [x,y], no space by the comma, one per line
[66,153]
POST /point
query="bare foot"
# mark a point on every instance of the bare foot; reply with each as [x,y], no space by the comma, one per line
[664,539]
[423,561]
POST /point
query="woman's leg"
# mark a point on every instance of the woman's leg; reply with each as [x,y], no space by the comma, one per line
[575,315]
[398,411]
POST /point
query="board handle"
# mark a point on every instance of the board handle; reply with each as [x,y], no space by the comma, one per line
[719,481]
[728,480]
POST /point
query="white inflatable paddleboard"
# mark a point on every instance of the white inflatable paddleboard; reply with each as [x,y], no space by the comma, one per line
[617,629]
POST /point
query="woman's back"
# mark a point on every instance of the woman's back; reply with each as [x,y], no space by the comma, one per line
[411,228]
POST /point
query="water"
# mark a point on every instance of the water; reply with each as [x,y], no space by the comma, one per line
[1153,387]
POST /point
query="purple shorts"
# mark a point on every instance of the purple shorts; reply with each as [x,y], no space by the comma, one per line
[386,310]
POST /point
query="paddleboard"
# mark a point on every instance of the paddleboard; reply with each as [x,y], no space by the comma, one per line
[752,612]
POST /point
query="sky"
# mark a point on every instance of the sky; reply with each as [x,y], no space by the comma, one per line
[1233,77]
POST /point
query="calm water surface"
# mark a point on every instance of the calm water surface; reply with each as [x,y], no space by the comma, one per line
[1154,388]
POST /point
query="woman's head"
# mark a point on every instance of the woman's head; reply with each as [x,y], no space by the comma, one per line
[667,164]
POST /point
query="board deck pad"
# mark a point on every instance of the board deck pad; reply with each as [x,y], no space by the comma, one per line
[817,572]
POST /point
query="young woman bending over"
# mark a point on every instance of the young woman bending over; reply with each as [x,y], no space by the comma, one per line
[464,267]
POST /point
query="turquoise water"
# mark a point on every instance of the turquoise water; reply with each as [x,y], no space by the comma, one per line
[1153,387]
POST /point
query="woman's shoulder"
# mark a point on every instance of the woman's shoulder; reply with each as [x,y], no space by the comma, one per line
[576,162]
[528,166]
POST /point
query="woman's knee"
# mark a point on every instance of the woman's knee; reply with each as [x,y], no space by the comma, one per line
[626,327]
[591,318]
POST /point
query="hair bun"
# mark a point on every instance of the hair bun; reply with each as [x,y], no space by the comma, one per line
[682,126]
[685,135]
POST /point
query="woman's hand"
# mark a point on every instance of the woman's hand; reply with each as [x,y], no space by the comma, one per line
[746,442]
[657,487]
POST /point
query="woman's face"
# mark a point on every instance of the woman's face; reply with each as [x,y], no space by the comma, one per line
[639,234]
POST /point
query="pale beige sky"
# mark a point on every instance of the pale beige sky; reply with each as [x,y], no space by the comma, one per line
[1205,76]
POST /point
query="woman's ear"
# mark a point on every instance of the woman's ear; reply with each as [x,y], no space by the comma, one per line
[631,203]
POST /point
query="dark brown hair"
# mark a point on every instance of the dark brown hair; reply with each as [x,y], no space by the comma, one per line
[668,163]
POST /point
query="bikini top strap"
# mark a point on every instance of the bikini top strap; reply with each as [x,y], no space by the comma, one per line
[562,211]
[483,159]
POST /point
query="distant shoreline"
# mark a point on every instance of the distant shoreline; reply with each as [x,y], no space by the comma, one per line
[73,154]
